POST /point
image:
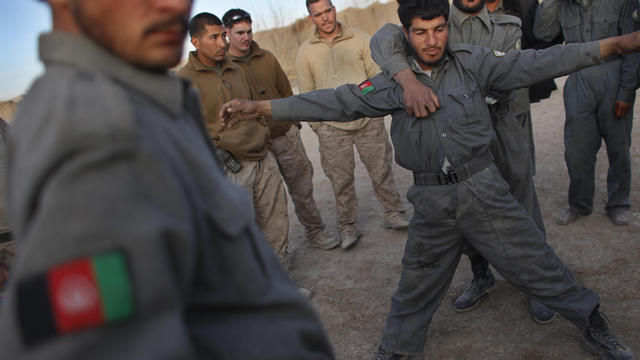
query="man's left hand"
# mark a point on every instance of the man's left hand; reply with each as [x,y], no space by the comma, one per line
[621,109]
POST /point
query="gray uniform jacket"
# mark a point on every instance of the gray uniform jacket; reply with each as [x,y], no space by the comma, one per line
[461,129]
[107,158]
[600,20]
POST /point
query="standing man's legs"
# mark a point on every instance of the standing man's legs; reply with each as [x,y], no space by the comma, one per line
[336,158]
[374,148]
[262,179]
[582,140]
[297,173]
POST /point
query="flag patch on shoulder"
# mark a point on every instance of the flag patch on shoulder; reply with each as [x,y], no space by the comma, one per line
[80,294]
[366,87]
[497,53]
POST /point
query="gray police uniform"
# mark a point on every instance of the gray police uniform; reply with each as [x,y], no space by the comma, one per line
[473,203]
[590,95]
[107,158]
[513,148]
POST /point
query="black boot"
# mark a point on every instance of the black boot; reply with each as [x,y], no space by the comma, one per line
[482,280]
[598,339]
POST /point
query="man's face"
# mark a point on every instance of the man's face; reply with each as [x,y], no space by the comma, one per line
[145,33]
[240,37]
[323,16]
[211,45]
[469,6]
[428,38]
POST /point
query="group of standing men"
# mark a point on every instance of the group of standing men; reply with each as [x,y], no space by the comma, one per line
[259,155]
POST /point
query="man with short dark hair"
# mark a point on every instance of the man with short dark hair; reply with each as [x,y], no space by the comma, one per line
[333,55]
[244,149]
[598,103]
[458,193]
[270,82]
[512,148]
[132,241]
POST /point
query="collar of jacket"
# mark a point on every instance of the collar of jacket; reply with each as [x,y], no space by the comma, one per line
[79,51]
[255,50]
[458,17]
[345,33]
[196,65]
[442,65]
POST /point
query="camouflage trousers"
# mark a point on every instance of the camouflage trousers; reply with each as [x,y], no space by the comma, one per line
[297,173]
[338,163]
[263,181]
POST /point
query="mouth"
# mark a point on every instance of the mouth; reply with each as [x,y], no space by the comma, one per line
[172,31]
[432,51]
[221,52]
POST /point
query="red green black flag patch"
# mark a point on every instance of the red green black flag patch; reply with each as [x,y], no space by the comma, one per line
[366,87]
[80,294]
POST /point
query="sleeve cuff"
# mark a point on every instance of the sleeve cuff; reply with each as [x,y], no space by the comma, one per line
[626,96]
[280,110]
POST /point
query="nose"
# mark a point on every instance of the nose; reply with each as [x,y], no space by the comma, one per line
[431,39]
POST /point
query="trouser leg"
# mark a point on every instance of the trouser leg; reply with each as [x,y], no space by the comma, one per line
[617,136]
[336,158]
[582,141]
[297,173]
[495,224]
[263,181]
[374,148]
[431,255]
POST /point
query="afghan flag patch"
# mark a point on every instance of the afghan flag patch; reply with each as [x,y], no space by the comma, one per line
[366,87]
[81,294]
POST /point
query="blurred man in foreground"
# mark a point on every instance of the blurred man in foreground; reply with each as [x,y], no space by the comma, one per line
[132,241]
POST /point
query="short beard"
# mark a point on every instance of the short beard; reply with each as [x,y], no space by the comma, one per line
[465,9]
[431,63]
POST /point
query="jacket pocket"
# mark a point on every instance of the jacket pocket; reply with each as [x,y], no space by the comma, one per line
[466,96]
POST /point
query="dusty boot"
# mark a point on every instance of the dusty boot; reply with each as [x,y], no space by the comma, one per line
[482,280]
[324,242]
[383,354]
[598,339]
[396,221]
[619,216]
[540,313]
[349,238]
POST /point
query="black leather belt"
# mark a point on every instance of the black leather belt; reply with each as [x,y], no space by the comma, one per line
[456,174]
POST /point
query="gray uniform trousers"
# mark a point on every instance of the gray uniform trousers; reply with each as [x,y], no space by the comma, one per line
[589,98]
[482,211]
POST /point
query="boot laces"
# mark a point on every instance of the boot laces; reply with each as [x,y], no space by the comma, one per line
[600,330]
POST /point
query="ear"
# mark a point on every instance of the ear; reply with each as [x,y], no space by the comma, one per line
[195,43]
[405,32]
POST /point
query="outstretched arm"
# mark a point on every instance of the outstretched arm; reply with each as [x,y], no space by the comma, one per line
[388,49]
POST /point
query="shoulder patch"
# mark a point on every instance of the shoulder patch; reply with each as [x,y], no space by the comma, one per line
[497,53]
[366,87]
[80,294]
[518,44]
[636,15]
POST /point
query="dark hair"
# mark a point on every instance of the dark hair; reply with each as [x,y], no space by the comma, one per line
[424,9]
[309,2]
[235,16]
[198,23]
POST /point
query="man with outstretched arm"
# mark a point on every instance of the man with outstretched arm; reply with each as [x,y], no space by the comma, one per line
[458,192]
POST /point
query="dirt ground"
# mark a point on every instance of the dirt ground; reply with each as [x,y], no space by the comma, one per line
[352,289]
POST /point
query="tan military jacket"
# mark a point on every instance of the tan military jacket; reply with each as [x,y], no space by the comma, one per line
[347,59]
[268,81]
[248,139]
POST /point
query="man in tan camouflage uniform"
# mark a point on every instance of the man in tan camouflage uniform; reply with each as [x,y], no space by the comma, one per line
[270,82]
[219,79]
[332,56]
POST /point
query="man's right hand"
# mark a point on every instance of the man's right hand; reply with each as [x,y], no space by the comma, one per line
[418,98]
[240,110]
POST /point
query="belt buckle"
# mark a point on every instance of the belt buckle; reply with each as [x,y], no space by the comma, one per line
[450,177]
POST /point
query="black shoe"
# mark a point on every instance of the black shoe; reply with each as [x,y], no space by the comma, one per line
[383,354]
[598,339]
[482,280]
[540,313]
